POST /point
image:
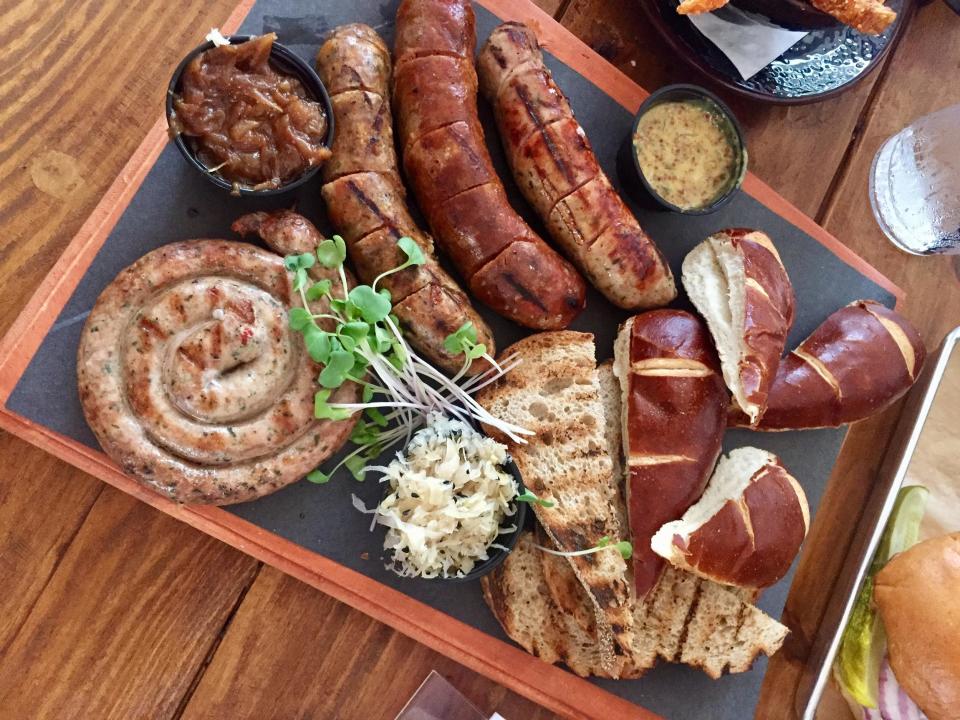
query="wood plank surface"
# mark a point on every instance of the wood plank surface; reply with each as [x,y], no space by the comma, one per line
[113,610]
[59,151]
[82,83]
[908,91]
[127,619]
[40,513]
[288,641]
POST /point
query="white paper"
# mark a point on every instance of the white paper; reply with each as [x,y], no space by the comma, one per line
[751,45]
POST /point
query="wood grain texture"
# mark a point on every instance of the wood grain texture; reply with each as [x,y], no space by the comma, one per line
[909,90]
[83,81]
[126,620]
[39,516]
[118,623]
[288,641]
[817,135]
[59,151]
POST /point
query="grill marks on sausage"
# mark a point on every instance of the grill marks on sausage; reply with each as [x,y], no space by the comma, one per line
[153,328]
[499,57]
[521,290]
[243,309]
[426,299]
[558,155]
[367,202]
[466,145]
[555,167]
[445,156]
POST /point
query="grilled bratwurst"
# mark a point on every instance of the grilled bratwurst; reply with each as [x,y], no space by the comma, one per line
[558,173]
[366,200]
[505,263]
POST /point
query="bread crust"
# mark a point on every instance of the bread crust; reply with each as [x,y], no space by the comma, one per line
[674,405]
[685,619]
[861,359]
[750,338]
[753,538]
[555,393]
[918,596]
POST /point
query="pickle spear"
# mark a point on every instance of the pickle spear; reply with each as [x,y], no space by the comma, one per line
[864,642]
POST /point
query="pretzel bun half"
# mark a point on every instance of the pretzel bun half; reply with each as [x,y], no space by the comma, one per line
[736,280]
[747,527]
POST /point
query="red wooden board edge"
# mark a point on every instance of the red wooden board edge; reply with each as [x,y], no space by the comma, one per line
[550,686]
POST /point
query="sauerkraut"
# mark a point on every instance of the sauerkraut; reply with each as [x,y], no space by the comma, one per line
[448,499]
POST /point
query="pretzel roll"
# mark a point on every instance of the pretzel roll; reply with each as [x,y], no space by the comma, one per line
[746,529]
[861,359]
[192,381]
[674,414]
[736,280]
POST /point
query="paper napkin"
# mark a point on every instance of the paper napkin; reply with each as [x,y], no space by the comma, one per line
[748,41]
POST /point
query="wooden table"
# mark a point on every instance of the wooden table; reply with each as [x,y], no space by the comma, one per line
[112,610]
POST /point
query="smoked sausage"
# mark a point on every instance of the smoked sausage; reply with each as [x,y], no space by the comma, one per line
[557,171]
[505,263]
[366,200]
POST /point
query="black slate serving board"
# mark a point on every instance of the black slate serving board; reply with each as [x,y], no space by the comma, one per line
[175,203]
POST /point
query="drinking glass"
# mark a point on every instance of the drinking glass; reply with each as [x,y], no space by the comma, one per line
[915,185]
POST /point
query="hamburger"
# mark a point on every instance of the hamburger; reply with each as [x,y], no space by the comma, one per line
[917,596]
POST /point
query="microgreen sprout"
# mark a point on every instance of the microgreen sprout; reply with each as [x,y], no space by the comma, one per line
[529,497]
[365,345]
[623,547]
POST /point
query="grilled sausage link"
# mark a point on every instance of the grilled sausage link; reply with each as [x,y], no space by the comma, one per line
[366,201]
[505,263]
[558,173]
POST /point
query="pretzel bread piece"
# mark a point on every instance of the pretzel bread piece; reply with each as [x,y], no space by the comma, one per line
[673,412]
[860,360]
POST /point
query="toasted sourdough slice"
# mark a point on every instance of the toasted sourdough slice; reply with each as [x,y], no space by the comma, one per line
[685,619]
[555,393]
[737,281]
[702,624]
[517,595]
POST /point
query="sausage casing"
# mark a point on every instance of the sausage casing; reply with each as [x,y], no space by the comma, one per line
[366,200]
[505,263]
[557,171]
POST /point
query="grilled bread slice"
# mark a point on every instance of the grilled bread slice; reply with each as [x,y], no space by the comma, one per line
[538,600]
[685,619]
[517,594]
[555,393]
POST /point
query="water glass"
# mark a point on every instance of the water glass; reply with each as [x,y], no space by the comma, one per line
[915,185]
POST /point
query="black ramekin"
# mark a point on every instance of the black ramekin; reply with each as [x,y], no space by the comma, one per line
[285,61]
[629,167]
[496,556]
